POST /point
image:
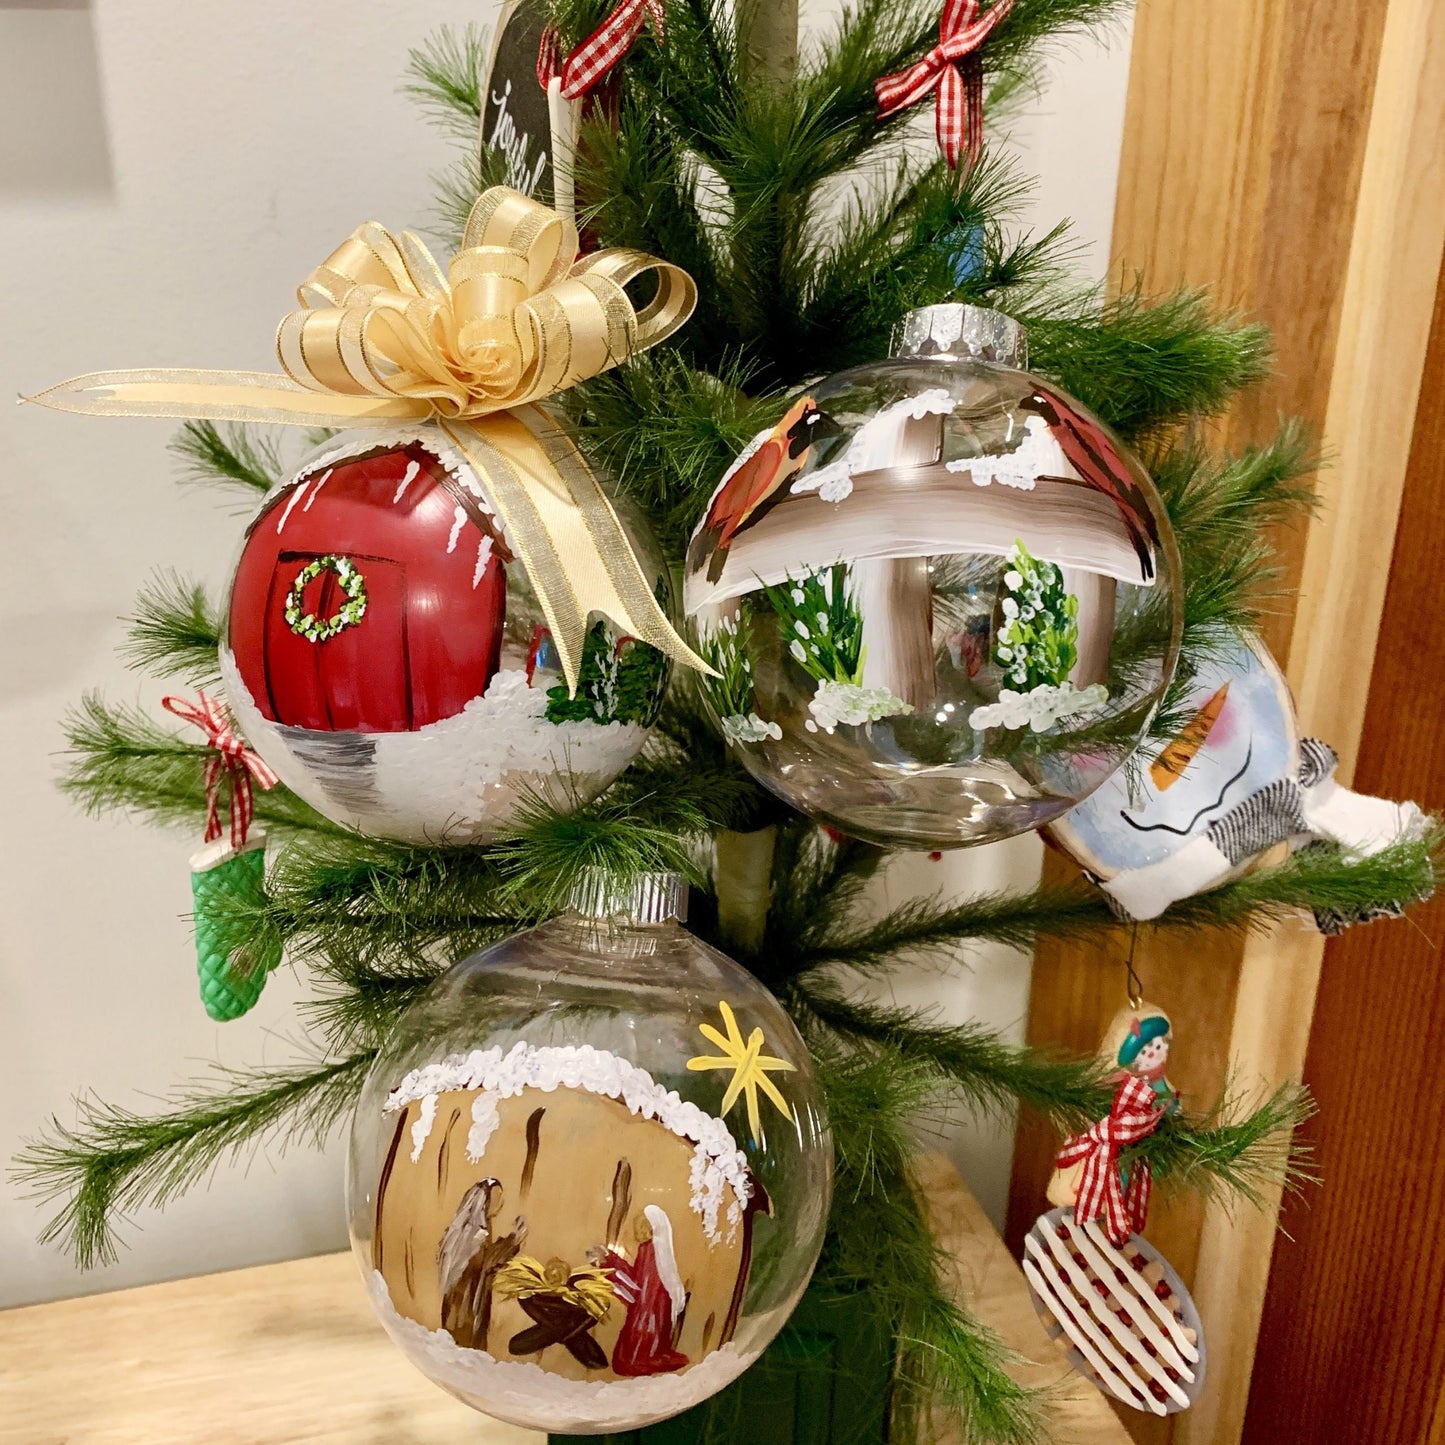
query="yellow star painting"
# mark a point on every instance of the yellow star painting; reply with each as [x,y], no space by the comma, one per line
[750,1067]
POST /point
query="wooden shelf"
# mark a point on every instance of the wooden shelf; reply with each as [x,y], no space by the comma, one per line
[289,1352]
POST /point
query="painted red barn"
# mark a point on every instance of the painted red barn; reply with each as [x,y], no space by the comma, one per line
[389,530]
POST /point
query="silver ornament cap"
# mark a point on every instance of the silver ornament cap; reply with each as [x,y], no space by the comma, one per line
[953,331]
[643,898]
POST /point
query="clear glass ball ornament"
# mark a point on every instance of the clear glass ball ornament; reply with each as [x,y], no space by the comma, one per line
[590,1170]
[384,651]
[943,599]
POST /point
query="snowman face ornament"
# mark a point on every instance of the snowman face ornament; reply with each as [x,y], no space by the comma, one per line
[1240,736]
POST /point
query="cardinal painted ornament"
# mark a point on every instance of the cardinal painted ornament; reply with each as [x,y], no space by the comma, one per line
[1235,789]
[940,597]
[1105,1295]
[590,1170]
[386,655]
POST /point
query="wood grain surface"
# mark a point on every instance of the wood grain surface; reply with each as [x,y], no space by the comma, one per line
[989,1283]
[1352,1344]
[289,1353]
[283,1354]
[1263,160]
[1376,379]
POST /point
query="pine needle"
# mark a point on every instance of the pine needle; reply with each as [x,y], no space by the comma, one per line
[115,1161]
[1233,1150]
[122,760]
[550,849]
[175,632]
[228,456]
[444,77]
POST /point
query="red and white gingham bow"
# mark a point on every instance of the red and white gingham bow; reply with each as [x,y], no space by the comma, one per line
[591,61]
[232,756]
[954,68]
[1134,1115]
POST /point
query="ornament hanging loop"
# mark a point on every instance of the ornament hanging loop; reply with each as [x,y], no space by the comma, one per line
[1133,983]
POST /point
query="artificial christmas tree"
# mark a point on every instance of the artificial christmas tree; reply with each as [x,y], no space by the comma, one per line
[711,154]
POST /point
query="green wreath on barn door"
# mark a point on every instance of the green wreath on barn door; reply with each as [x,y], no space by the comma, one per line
[308,624]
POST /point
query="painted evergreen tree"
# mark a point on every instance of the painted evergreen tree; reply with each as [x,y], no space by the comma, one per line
[810,226]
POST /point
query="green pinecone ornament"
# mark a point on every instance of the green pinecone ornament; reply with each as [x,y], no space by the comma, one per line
[221,876]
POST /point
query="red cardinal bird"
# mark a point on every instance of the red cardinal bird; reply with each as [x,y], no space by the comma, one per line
[760,480]
[1095,456]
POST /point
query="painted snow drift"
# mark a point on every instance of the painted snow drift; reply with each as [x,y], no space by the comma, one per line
[561,1241]
[384,654]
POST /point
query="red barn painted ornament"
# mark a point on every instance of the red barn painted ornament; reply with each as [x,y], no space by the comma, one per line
[385,655]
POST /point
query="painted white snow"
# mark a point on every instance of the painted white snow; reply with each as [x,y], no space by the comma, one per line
[431,439]
[459,520]
[316,489]
[291,501]
[849,702]
[1037,455]
[709,1184]
[522,1393]
[485,1122]
[935,401]
[1039,708]
[484,555]
[750,729]
[413,470]
[459,780]
[426,1117]
[722,1165]
[874,446]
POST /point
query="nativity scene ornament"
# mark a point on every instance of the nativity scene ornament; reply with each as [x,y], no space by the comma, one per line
[554,1216]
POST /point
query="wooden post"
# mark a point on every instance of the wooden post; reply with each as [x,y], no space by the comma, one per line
[1394,266]
[768,30]
[1291,156]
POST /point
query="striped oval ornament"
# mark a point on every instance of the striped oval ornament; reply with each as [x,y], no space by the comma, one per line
[1121,1314]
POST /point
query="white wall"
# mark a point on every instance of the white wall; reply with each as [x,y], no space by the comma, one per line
[167,173]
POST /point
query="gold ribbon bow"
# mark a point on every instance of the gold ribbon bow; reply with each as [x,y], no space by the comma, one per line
[383,335]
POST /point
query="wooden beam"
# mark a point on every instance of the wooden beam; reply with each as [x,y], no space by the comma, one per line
[1325,1279]
[1262,159]
[1389,295]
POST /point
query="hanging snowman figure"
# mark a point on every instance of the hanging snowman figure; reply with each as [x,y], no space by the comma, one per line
[1106,1296]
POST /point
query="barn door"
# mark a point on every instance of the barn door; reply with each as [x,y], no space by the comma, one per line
[356,678]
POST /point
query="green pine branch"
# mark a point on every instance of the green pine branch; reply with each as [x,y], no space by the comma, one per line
[1321,877]
[239,457]
[175,632]
[114,1161]
[882,1259]
[1142,363]
[121,760]
[444,76]
[983,1070]
[1233,1151]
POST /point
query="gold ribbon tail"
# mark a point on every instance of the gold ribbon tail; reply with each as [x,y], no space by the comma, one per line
[244,396]
[383,334]
[565,533]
